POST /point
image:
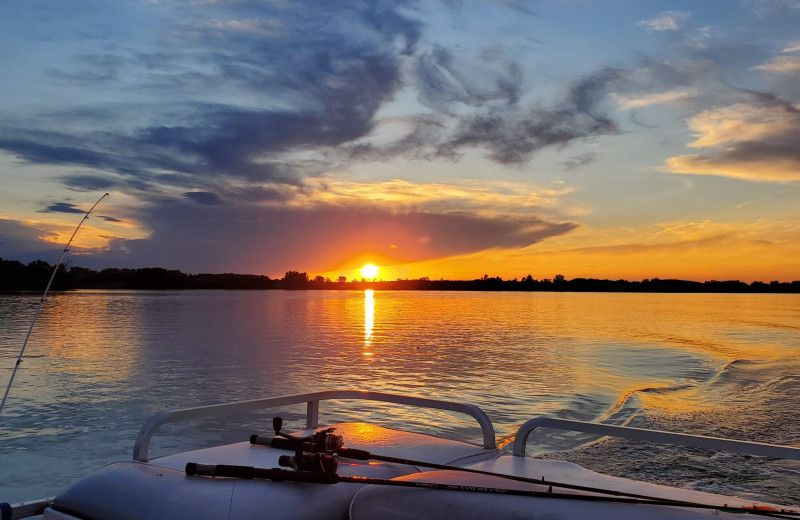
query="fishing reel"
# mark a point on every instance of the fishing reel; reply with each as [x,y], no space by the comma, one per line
[323,441]
[319,462]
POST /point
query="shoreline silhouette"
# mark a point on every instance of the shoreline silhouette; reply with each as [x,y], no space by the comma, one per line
[17,277]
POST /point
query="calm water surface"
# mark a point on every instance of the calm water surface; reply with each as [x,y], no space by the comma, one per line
[101,362]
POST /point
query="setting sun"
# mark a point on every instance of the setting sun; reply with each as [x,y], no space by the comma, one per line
[369,271]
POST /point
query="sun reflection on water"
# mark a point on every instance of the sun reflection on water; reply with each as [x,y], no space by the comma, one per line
[369,320]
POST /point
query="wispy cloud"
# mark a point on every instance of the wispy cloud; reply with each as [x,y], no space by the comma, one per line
[627,102]
[781,64]
[260,25]
[666,21]
[510,134]
[579,160]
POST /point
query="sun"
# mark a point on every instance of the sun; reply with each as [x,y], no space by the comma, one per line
[369,271]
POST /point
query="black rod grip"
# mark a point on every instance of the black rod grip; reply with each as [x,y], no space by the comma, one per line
[287,444]
[352,453]
[261,440]
[280,443]
[249,472]
[205,470]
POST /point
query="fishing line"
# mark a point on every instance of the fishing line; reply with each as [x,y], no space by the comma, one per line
[41,305]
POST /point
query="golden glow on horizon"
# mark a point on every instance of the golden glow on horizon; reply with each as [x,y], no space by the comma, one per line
[369,271]
[761,250]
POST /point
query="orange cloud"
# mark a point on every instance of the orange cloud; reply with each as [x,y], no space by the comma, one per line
[766,170]
[488,197]
[747,141]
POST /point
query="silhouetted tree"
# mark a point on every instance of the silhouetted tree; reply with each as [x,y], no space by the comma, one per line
[295,280]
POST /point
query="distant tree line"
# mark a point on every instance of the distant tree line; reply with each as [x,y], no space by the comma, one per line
[16,276]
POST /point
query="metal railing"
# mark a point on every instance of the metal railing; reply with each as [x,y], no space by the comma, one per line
[25,509]
[312,400]
[679,439]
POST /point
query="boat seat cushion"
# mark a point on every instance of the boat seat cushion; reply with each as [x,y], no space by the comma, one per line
[133,491]
[160,489]
[405,503]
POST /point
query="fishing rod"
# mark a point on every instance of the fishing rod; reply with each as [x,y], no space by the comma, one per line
[41,304]
[325,441]
[325,477]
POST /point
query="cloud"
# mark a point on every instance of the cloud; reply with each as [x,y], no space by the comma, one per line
[79,182]
[765,7]
[579,160]
[288,105]
[484,197]
[329,224]
[770,168]
[277,94]
[27,241]
[24,242]
[254,239]
[781,64]
[673,242]
[627,102]
[203,197]
[510,133]
[666,21]
[446,79]
[743,122]
[755,141]
[246,24]
[62,207]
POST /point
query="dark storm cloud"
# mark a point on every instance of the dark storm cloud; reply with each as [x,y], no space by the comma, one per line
[265,240]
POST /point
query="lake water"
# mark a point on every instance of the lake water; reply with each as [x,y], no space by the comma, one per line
[101,362]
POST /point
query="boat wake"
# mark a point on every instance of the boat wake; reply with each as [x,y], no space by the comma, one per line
[752,400]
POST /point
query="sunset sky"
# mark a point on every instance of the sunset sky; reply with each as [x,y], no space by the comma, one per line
[610,139]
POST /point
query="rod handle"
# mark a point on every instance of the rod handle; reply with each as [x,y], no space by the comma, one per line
[280,443]
[352,453]
[249,472]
